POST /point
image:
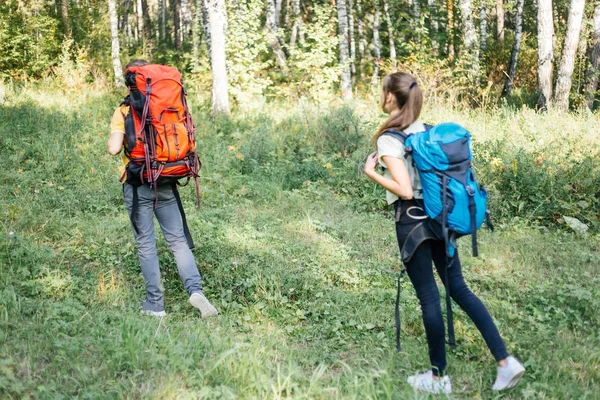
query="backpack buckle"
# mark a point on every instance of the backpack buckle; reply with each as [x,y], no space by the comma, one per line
[470,191]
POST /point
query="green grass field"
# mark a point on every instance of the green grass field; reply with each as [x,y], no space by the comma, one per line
[297,252]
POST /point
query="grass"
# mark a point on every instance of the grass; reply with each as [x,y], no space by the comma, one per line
[300,259]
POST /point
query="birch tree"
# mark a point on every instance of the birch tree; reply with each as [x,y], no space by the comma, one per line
[64,16]
[514,56]
[483,26]
[362,42]
[376,48]
[271,27]
[567,61]
[346,78]
[297,25]
[450,27]
[545,34]
[114,31]
[177,32]
[591,75]
[500,20]
[386,11]
[351,35]
[433,22]
[186,19]
[469,37]
[217,22]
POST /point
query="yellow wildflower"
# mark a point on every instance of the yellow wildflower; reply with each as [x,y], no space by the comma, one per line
[232,148]
[327,166]
[239,156]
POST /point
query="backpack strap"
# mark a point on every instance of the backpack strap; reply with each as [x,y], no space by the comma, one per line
[445,234]
[401,136]
[186,230]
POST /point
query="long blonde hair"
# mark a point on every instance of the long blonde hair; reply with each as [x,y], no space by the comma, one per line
[409,99]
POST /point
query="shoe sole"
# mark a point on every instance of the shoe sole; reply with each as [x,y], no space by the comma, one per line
[207,310]
[513,382]
[154,313]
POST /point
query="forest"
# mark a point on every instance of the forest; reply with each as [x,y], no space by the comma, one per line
[295,245]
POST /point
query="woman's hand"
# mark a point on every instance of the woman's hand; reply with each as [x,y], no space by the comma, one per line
[371,163]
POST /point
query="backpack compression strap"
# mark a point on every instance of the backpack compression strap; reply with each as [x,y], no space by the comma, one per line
[186,230]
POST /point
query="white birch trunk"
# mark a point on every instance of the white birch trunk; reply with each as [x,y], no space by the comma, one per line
[433,22]
[469,36]
[512,68]
[594,61]
[545,36]
[362,42]
[114,31]
[346,78]
[483,26]
[567,61]
[297,25]
[163,20]
[217,21]
[186,19]
[271,27]
[377,48]
[386,10]
[206,28]
[352,38]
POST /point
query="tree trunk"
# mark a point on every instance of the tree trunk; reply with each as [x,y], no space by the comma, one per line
[362,42]
[64,16]
[500,20]
[297,25]
[567,61]
[346,78]
[277,14]
[433,22]
[177,24]
[545,53]
[416,14]
[469,36]
[140,21]
[483,26]
[352,41]
[390,28]
[196,34]
[114,31]
[186,19]
[271,28]
[147,24]
[127,23]
[449,9]
[512,69]
[591,74]
[377,48]
[163,20]
[206,28]
[217,21]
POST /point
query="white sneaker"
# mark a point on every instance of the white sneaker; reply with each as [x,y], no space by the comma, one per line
[426,383]
[154,313]
[199,301]
[509,376]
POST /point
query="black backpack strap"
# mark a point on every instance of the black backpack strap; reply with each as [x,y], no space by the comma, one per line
[186,231]
[445,234]
[428,127]
[398,310]
[401,136]
[134,208]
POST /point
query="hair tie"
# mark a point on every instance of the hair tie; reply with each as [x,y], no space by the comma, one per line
[412,85]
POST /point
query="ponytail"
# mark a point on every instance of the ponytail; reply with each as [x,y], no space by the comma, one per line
[409,99]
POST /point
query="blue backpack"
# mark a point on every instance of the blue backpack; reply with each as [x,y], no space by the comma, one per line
[455,203]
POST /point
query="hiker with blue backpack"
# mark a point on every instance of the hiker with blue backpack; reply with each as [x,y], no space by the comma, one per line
[428,178]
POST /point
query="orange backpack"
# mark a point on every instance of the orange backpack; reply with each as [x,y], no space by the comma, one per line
[159,132]
[161,145]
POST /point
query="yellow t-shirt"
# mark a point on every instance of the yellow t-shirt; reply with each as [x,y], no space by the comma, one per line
[117,125]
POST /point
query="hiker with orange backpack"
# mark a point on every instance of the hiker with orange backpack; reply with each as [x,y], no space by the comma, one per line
[154,127]
[422,161]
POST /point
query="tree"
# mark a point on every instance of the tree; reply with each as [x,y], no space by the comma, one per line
[377,47]
[177,31]
[297,30]
[514,56]
[271,27]
[567,61]
[186,19]
[352,41]
[469,37]
[500,20]
[450,27]
[545,53]
[390,28]
[64,16]
[594,61]
[433,22]
[362,42]
[346,78]
[217,22]
[114,30]
[483,26]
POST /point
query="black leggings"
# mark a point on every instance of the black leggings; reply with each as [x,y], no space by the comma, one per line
[420,272]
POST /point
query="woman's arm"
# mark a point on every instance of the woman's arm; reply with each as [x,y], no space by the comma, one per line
[399,184]
[115,143]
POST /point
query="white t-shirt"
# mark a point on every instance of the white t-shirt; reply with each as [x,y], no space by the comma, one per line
[390,146]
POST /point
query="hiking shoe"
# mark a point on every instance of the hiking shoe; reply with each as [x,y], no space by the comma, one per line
[426,383]
[152,313]
[509,376]
[199,301]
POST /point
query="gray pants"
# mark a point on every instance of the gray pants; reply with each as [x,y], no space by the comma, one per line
[169,218]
